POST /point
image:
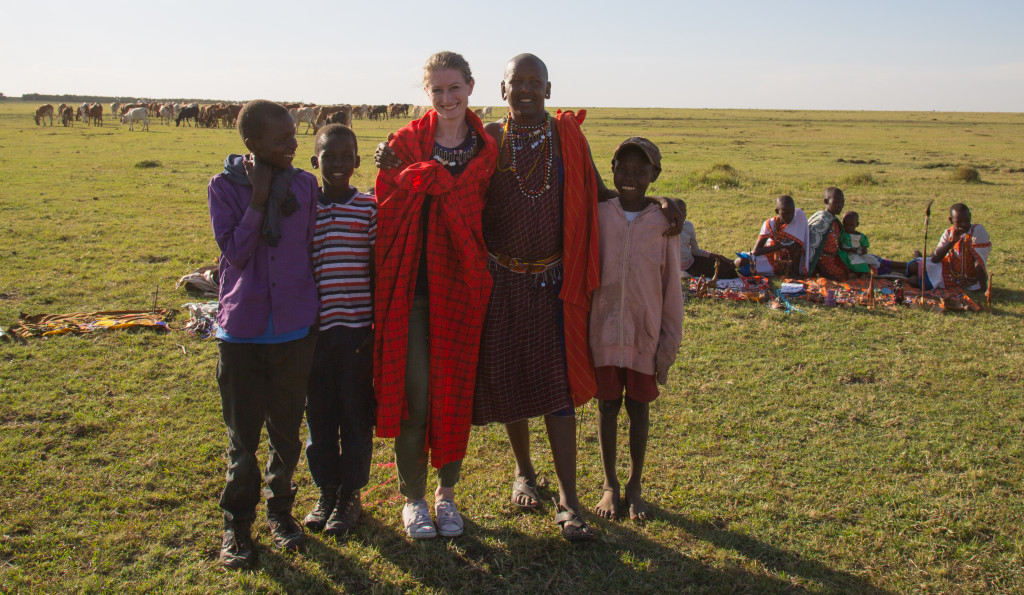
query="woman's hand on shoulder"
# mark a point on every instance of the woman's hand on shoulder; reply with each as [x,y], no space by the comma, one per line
[384,157]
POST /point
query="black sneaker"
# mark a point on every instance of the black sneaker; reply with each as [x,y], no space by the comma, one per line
[317,518]
[237,550]
[285,531]
[346,514]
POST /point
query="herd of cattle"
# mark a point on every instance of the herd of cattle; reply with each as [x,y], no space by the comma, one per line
[225,114]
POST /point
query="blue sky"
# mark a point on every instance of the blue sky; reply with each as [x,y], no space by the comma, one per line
[795,55]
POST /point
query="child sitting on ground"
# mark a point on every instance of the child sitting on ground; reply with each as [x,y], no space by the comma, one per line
[853,247]
[263,213]
[961,257]
[781,248]
[635,318]
[340,405]
[696,261]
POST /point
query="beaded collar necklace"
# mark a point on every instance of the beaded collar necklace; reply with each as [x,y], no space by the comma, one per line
[460,155]
[516,138]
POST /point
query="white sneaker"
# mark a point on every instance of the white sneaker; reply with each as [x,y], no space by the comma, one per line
[449,521]
[416,517]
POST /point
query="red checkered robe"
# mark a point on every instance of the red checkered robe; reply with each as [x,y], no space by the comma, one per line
[960,265]
[458,287]
[580,253]
[775,230]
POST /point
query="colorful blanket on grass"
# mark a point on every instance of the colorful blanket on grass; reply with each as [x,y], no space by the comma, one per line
[750,289]
[48,325]
[854,292]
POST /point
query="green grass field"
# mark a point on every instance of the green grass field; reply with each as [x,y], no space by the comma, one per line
[837,450]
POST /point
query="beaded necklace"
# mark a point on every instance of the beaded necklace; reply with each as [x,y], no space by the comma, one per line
[517,137]
[460,155]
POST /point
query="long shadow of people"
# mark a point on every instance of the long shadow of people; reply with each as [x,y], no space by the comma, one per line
[774,559]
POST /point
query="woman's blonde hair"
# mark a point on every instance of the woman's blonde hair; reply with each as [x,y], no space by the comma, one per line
[446,61]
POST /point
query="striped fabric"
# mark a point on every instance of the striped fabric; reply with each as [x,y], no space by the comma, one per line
[580,253]
[342,248]
[458,284]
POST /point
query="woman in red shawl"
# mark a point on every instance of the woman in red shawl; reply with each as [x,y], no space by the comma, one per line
[432,290]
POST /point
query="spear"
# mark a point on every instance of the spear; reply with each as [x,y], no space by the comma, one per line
[924,253]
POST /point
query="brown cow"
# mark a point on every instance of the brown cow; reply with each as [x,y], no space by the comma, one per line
[43,111]
[342,114]
[96,114]
[67,116]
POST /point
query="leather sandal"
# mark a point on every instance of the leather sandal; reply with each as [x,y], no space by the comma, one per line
[525,487]
[574,529]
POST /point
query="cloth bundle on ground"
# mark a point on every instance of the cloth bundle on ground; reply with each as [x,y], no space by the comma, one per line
[203,280]
[202,320]
[48,325]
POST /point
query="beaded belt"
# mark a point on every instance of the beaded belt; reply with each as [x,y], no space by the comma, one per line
[518,265]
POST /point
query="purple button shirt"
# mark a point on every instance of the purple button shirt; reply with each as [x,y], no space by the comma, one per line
[256,278]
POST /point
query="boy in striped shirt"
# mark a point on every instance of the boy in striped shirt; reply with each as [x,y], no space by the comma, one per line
[340,406]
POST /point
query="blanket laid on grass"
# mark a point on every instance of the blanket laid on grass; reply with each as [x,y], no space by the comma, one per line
[48,325]
[854,292]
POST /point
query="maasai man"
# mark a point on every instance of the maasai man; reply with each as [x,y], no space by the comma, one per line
[781,248]
[961,257]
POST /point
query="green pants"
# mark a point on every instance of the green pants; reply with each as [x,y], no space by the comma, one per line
[411,443]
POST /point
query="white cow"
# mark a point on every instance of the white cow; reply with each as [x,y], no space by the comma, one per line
[304,114]
[167,113]
[114,108]
[83,112]
[136,114]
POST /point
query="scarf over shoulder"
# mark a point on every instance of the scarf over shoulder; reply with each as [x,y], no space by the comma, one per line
[580,253]
[459,285]
[819,225]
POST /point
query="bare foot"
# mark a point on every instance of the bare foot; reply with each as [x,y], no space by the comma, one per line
[608,507]
[639,511]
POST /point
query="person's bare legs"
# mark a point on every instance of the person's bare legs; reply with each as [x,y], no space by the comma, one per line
[639,427]
[562,437]
[607,437]
[519,439]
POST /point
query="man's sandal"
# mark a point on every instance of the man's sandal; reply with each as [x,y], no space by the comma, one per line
[574,529]
[528,488]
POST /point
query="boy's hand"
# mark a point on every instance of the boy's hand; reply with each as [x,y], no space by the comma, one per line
[260,175]
[384,157]
[673,212]
[367,344]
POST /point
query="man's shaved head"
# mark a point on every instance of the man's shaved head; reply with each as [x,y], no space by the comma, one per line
[523,58]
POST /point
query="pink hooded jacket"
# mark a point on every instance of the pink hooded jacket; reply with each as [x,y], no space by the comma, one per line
[636,315]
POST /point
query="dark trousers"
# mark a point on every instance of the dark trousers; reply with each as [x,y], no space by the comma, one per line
[705,266]
[262,385]
[340,410]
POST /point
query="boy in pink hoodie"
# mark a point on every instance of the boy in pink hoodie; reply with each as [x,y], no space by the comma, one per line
[636,317]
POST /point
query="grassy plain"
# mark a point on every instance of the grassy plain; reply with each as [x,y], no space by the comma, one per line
[831,451]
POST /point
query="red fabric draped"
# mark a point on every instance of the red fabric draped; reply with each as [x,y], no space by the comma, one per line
[459,284]
[580,254]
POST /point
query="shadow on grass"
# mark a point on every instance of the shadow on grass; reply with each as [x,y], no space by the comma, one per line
[507,559]
[774,559]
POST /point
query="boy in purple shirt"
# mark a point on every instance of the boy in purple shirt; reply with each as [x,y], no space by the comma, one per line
[263,213]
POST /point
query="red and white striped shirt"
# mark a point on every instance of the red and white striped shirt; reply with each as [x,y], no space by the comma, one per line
[342,248]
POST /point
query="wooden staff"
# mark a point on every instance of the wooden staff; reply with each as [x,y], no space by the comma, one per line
[988,293]
[871,289]
[924,254]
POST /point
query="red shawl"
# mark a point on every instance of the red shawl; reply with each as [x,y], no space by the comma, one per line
[580,253]
[459,285]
